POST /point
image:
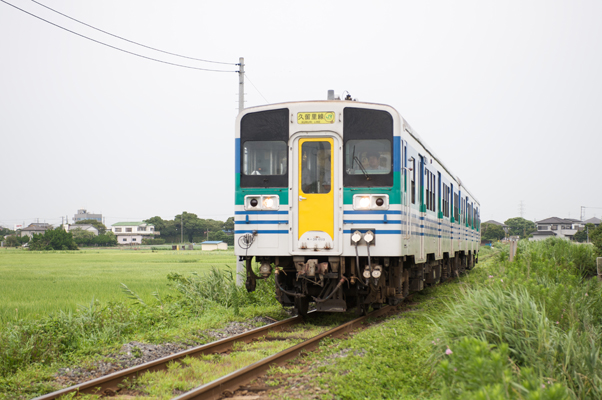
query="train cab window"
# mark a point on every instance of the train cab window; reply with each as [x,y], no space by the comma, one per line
[372,157]
[367,147]
[263,157]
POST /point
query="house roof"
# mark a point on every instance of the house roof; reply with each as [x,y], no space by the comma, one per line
[556,220]
[37,228]
[492,222]
[129,223]
[83,227]
[543,233]
[594,220]
[212,242]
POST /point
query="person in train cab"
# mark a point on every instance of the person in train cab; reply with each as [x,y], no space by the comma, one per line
[374,161]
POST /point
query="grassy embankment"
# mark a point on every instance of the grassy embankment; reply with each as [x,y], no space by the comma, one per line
[530,329]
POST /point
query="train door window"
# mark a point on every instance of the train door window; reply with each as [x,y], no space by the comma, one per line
[427,186]
[413,173]
[315,167]
[456,211]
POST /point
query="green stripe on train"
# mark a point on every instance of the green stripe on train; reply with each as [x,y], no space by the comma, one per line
[348,193]
[240,194]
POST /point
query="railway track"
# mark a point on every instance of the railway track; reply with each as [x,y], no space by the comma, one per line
[110,384]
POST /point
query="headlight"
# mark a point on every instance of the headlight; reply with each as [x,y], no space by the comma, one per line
[268,202]
[370,202]
[257,202]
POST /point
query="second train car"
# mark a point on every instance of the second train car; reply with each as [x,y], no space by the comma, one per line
[346,205]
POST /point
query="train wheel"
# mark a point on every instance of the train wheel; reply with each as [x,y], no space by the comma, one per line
[302,305]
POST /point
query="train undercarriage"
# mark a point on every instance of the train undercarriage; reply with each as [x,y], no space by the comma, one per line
[337,284]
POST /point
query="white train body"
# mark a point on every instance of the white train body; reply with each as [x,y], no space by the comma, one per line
[350,189]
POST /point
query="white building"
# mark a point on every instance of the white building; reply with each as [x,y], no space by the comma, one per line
[214,245]
[83,227]
[564,228]
[133,232]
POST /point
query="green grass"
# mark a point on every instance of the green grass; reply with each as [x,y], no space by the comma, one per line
[35,284]
[196,293]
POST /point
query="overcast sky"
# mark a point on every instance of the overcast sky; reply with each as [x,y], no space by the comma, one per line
[507,93]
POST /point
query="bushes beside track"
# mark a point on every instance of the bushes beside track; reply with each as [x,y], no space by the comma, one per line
[531,330]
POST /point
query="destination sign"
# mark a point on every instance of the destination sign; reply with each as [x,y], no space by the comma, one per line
[315,117]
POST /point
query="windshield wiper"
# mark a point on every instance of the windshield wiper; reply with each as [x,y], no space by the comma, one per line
[362,167]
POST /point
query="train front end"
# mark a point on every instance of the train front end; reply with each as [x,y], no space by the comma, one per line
[318,202]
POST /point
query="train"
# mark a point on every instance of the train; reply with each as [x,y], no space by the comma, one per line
[346,205]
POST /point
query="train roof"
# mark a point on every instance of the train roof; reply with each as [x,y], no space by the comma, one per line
[406,126]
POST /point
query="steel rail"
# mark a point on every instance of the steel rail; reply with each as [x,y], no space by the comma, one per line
[111,381]
[232,381]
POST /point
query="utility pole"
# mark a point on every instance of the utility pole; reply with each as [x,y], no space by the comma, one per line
[241,84]
[182,228]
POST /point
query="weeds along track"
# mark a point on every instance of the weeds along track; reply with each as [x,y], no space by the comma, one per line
[284,332]
[111,383]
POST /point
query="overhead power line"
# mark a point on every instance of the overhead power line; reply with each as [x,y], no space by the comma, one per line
[131,41]
[113,47]
[247,75]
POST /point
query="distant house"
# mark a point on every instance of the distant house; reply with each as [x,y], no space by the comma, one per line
[214,245]
[133,232]
[564,228]
[83,227]
[83,214]
[595,221]
[36,229]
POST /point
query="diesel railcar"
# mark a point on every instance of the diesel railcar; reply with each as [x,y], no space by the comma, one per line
[346,205]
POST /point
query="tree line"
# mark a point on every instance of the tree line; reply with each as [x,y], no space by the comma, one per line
[190,228]
[185,226]
[524,228]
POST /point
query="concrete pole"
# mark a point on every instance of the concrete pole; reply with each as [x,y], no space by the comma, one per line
[599,265]
[240,264]
[241,84]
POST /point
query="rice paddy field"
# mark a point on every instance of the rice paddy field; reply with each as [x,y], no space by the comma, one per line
[34,284]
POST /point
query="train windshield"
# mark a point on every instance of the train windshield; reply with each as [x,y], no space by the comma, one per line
[264,158]
[372,157]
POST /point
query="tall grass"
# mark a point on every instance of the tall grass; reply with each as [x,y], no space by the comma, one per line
[541,312]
